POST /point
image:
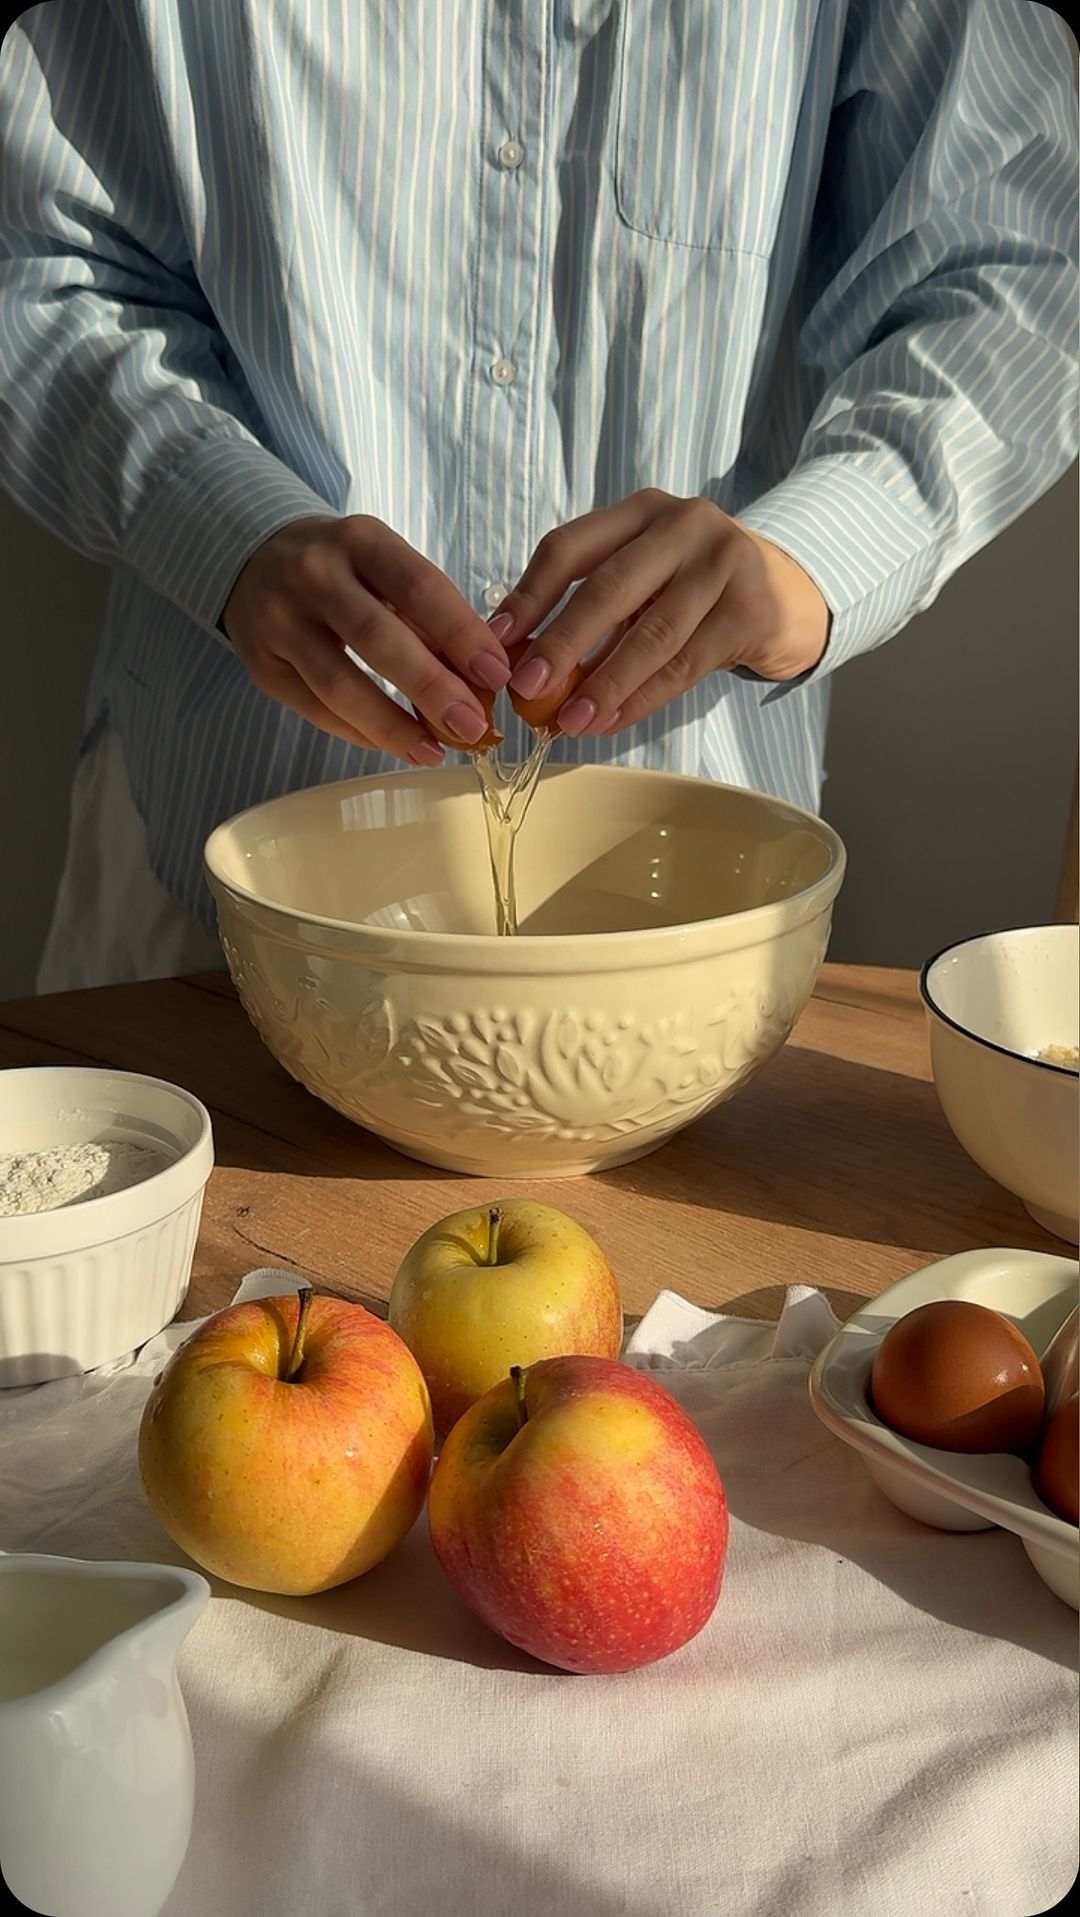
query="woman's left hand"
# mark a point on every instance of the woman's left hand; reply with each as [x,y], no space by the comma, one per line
[672,590]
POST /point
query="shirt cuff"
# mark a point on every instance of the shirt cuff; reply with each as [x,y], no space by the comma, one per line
[203,521]
[868,557]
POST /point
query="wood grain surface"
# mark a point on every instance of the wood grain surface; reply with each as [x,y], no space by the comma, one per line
[834,1168]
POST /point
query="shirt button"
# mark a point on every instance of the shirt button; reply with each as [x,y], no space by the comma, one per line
[503,372]
[494,596]
[511,154]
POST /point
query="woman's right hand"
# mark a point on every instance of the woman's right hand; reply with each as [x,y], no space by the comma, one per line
[321,584]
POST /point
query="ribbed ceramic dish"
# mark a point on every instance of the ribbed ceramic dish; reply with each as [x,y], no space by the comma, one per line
[952,1490]
[84,1285]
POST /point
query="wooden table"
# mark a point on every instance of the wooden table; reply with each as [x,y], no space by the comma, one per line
[835,1168]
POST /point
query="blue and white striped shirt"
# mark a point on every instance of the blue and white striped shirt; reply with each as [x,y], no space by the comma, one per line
[815,259]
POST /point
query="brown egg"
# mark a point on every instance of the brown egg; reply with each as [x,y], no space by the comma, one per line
[959,1376]
[539,713]
[1057,1474]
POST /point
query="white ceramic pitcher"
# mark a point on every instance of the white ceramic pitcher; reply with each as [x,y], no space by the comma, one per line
[96,1768]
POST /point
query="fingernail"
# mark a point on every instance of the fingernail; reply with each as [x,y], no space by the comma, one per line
[577,715]
[426,752]
[488,671]
[531,678]
[613,723]
[465,722]
[501,624]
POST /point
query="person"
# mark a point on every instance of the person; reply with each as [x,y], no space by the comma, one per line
[727,329]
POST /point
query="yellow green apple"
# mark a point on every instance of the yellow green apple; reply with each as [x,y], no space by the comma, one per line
[501,1285]
[578,1511]
[287,1445]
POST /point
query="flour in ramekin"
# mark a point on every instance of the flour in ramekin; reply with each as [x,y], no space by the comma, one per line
[69,1174]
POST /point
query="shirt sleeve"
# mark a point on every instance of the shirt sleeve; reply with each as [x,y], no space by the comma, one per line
[938,316]
[122,427]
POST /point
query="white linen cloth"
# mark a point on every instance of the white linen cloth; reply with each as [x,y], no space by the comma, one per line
[112,918]
[878,1718]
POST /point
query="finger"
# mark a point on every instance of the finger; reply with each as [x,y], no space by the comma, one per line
[348,692]
[607,646]
[611,593]
[714,647]
[572,552]
[654,642]
[428,602]
[372,630]
[284,684]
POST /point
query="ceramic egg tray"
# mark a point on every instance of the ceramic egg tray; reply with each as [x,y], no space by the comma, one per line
[956,1491]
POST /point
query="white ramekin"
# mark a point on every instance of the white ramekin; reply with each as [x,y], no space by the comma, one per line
[84,1285]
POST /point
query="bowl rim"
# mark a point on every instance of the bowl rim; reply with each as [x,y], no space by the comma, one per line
[965,1031]
[108,1218]
[528,946]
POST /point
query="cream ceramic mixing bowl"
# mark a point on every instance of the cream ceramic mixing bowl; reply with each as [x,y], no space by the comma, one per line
[671,933]
[994,1005]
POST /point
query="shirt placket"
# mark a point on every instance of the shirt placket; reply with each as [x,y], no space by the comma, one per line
[507,366]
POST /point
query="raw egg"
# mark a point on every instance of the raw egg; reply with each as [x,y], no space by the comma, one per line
[1057,1474]
[959,1376]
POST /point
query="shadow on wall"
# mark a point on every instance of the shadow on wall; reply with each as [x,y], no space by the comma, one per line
[52,610]
[951,754]
[953,750]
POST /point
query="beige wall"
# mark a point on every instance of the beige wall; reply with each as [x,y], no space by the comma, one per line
[950,758]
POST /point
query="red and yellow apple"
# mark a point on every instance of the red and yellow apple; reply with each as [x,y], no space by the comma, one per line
[577,1510]
[498,1286]
[287,1445]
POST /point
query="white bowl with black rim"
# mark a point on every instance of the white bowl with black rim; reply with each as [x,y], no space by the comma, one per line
[1004,1021]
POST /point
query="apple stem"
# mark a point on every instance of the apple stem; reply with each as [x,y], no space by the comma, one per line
[296,1355]
[518,1376]
[494,1221]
